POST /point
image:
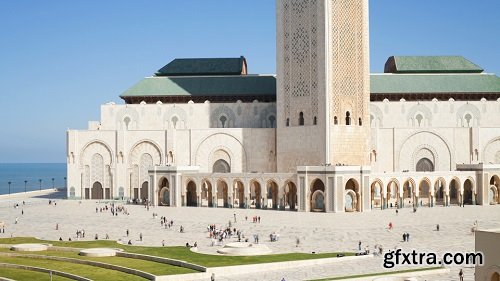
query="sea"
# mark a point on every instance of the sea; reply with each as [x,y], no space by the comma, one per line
[32,173]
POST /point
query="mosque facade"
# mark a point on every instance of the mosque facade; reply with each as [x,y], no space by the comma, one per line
[322,135]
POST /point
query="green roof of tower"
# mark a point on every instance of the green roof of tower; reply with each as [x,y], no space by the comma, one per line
[204,66]
[430,64]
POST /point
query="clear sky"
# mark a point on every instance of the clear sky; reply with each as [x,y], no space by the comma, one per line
[60,60]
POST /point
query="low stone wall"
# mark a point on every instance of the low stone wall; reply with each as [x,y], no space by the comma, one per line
[87,262]
[45,270]
[163,260]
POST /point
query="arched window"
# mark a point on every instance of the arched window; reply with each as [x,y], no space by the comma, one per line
[335,120]
[174,121]
[223,120]
[468,119]
[348,118]
[272,121]
[127,122]
[315,120]
[301,119]
[360,122]
[419,119]
[288,122]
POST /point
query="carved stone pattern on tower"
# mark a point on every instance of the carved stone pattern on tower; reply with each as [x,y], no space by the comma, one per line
[347,64]
[300,49]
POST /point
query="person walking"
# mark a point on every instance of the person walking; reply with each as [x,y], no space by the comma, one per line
[140,236]
[359,246]
[461,275]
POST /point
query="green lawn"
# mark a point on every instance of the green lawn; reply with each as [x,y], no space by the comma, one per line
[180,253]
[155,268]
[377,274]
[27,275]
[92,272]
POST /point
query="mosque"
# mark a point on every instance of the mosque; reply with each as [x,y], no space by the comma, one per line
[323,135]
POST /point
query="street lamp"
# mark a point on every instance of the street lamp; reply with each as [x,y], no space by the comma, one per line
[9,187]
[40,181]
[52,183]
[25,182]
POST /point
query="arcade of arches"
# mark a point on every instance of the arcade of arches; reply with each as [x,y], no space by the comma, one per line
[283,194]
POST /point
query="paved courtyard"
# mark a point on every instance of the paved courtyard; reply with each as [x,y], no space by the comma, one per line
[318,232]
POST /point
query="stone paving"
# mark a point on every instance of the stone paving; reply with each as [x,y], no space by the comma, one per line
[317,232]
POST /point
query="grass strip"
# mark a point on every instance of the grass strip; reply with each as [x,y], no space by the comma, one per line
[378,274]
[179,253]
[28,275]
[91,272]
[155,268]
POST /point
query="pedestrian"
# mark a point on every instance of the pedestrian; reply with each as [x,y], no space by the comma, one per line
[212,278]
[407,237]
[437,227]
[17,220]
[127,232]
[359,246]
[163,243]
[404,237]
[140,236]
[22,211]
[390,225]
[297,242]
[397,212]
[57,226]
[461,275]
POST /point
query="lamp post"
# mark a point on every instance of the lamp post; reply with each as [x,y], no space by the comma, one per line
[25,182]
[40,181]
[9,187]
[52,183]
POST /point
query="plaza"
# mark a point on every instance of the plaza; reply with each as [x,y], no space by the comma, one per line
[318,233]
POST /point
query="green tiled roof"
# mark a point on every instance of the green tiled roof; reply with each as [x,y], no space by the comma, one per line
[434,83]
[243,85]
[206,66]
[430,64]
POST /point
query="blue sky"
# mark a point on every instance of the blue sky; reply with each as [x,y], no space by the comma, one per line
[60,60]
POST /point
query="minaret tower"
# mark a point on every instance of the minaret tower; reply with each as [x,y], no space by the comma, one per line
[323,90]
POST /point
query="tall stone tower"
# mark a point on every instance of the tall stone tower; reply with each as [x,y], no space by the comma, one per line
[323,83]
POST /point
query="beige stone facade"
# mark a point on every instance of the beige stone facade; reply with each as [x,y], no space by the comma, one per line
[322,146]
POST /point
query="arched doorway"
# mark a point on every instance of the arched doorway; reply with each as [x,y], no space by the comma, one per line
[424,194]
[290,196]
[376,195]
[318,196]
[454,192]
[206,194]
[272,195]
[97,191]
[255,195]
[221,166]
[352,196]
[468,192]
[392,194]
[424,165]
[240,194]
[408,194]
[144,191]
[191,195]
[222,194]
[439,192]
[163,192]
[494,190]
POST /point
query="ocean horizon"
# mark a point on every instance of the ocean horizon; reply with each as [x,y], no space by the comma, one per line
[32,173]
